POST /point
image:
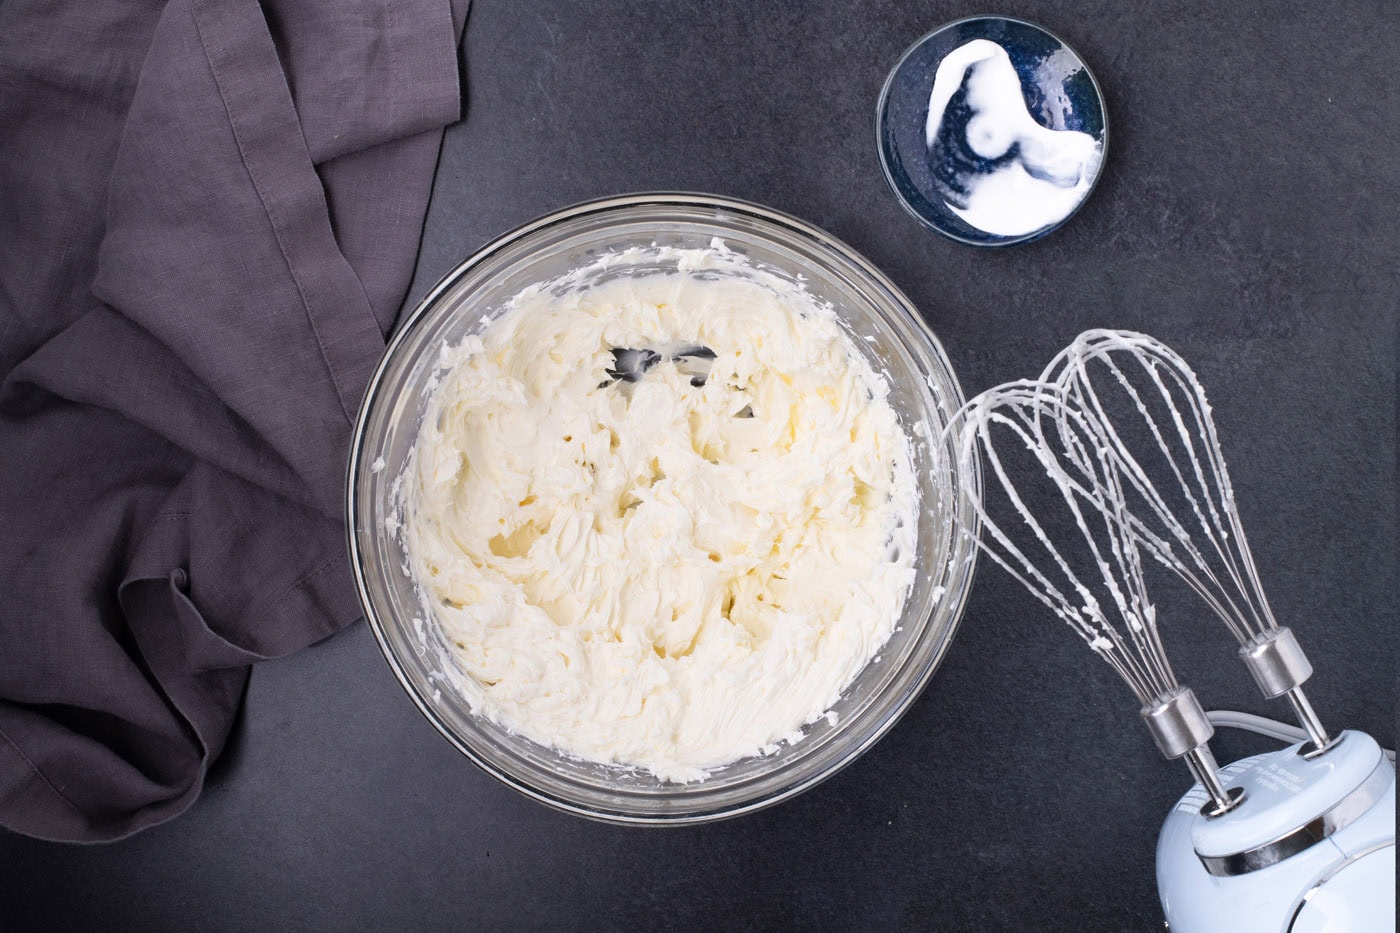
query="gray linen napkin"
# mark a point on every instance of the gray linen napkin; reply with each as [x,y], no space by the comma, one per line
[209,214]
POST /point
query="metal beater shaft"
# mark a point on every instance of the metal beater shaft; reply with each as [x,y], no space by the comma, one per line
[1181,729]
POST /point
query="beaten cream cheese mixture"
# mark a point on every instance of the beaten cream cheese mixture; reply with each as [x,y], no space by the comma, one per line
[660,573]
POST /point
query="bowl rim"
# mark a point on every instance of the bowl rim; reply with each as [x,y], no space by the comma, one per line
[356,461]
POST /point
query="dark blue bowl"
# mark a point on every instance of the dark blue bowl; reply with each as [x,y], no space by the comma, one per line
[1060,94]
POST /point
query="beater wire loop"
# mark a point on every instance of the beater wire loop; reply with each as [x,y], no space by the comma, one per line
[1112,411]
[1116,374]
[1063,442]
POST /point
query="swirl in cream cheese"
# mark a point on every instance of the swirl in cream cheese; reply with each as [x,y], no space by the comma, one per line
[662,574]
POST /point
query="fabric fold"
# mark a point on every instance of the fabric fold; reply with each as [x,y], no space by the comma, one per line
[216,211]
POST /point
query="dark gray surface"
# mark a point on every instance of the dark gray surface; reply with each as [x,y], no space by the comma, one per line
[1247,216]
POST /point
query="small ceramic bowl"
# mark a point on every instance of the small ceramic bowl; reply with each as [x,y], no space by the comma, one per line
[987,169]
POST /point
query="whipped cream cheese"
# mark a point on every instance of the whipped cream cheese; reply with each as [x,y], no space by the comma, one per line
[674,569]
[1027,176]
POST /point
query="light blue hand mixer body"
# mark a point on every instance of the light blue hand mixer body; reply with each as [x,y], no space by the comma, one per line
[1120,438]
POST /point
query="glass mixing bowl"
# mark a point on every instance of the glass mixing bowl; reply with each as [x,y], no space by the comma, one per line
[884,325]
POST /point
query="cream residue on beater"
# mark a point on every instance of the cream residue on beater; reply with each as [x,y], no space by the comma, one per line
[671,573]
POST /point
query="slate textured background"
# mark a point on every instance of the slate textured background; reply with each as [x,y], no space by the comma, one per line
[1247,216]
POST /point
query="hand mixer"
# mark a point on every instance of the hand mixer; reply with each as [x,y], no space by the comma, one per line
[1301,839]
